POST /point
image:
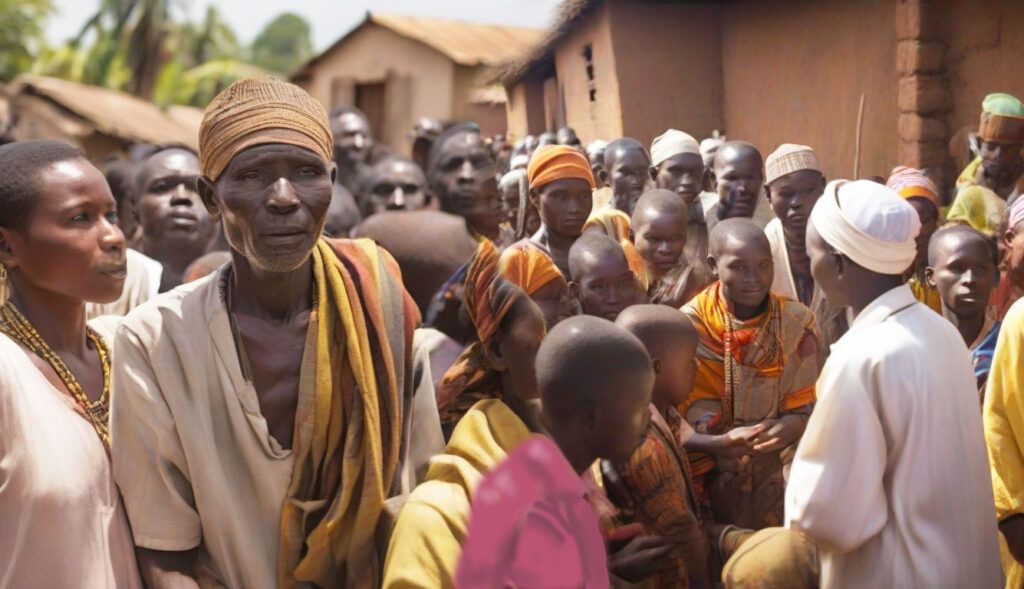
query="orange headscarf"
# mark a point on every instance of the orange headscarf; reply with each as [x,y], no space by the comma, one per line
[554,162]
[489,297]
[527,266]
[911,183]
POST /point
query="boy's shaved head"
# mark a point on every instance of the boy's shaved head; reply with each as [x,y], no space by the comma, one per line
[658,202]
[735,230]
[590,247]
[622,145]
[732,151]
[944,240]
[585,362]
[655,324]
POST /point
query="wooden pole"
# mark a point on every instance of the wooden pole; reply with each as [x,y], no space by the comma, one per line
[860,128]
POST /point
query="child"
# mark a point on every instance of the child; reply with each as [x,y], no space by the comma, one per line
[758,357]
[659,230]
[530,524]
[962,268]
[601,279]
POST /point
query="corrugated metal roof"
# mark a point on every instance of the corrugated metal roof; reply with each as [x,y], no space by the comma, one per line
[465,43]
[111,112]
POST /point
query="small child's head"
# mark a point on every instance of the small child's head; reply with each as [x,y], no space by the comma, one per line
[601,278]
[963,266]
[595,381]
[671,342]
[627,170]
[739,252]
[658,229]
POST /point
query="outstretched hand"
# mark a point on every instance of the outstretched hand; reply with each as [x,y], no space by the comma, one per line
[738,443]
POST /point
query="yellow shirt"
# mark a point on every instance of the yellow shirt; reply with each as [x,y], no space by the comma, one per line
[427,539]
[1003,415]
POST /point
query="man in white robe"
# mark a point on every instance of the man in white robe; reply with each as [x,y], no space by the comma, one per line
[891,475]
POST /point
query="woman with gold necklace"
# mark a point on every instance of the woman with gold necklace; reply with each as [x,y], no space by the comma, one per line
[61,519]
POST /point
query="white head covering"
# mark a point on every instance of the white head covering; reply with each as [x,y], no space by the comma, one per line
[670,143]
[868,223]
[789,158]
[711,145]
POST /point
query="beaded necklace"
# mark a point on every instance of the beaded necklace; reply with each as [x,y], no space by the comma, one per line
[18,328]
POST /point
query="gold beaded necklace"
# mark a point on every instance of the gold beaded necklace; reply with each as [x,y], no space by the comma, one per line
[16,326]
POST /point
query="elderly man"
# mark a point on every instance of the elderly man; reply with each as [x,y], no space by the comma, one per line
[460,174]
[890,478]
[395,184]
[262,414]
[997,174]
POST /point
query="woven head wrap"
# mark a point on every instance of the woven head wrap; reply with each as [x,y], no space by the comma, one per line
[911,183]
[526,266]
[1002,119]
[257,111]
[671,143]
[1016,214]
[789,158]
[554,162]
[868,223]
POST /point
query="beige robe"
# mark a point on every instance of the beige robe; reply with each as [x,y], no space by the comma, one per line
[192,453]
[62,523]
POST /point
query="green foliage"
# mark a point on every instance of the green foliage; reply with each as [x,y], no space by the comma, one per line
[283,45]
[21,34]
[197,86]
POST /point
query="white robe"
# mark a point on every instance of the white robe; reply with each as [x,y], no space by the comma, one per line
[891,476]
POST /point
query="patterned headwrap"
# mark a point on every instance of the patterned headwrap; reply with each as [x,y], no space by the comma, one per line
[527,266]
[1002,119]
[489,297]
[911,182]
[789,158]
[257,111]
[554,162]
[1016,214]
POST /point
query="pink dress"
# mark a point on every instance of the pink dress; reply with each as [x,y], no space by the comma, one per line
[531,525]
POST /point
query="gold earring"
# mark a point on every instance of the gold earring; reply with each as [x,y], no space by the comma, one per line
[5,290]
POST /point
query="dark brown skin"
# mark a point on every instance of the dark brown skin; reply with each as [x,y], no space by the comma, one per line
[564,206]
[176,228]
[70,251]
[792,197]
[273,200]
[1001,165]
[738,179]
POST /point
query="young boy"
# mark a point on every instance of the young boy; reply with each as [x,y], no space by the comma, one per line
[793,183]
[962,268]
[530,525]
[739,181]
[659,231]
[626,170]
[757,361]
[601,279]
[654,487]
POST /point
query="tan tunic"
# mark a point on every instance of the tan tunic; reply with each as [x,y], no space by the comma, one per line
[193,454]
[61,519]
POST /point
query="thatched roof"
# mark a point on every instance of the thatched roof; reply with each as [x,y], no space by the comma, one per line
[539,61]
[465,43]
[117,114]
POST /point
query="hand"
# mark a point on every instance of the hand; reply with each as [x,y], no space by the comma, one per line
[1012,529]
[778,433]
[635,562]
[738,443]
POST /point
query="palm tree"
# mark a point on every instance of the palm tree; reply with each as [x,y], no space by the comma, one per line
[136,31]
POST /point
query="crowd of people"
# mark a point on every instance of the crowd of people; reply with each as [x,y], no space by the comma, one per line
[296,359]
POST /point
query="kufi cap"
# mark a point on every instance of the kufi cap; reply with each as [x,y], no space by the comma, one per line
[789,158]
[671,143]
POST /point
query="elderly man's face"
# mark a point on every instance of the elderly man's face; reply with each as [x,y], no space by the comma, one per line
[352,140]
[455,175]
[1000,160]
[273,200]
[396,185]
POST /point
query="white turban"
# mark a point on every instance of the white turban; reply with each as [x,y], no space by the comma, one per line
[868,223]
[670,143]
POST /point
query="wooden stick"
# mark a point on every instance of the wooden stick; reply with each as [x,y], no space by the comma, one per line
[860,127]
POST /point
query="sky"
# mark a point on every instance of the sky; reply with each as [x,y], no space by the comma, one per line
[329,19]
